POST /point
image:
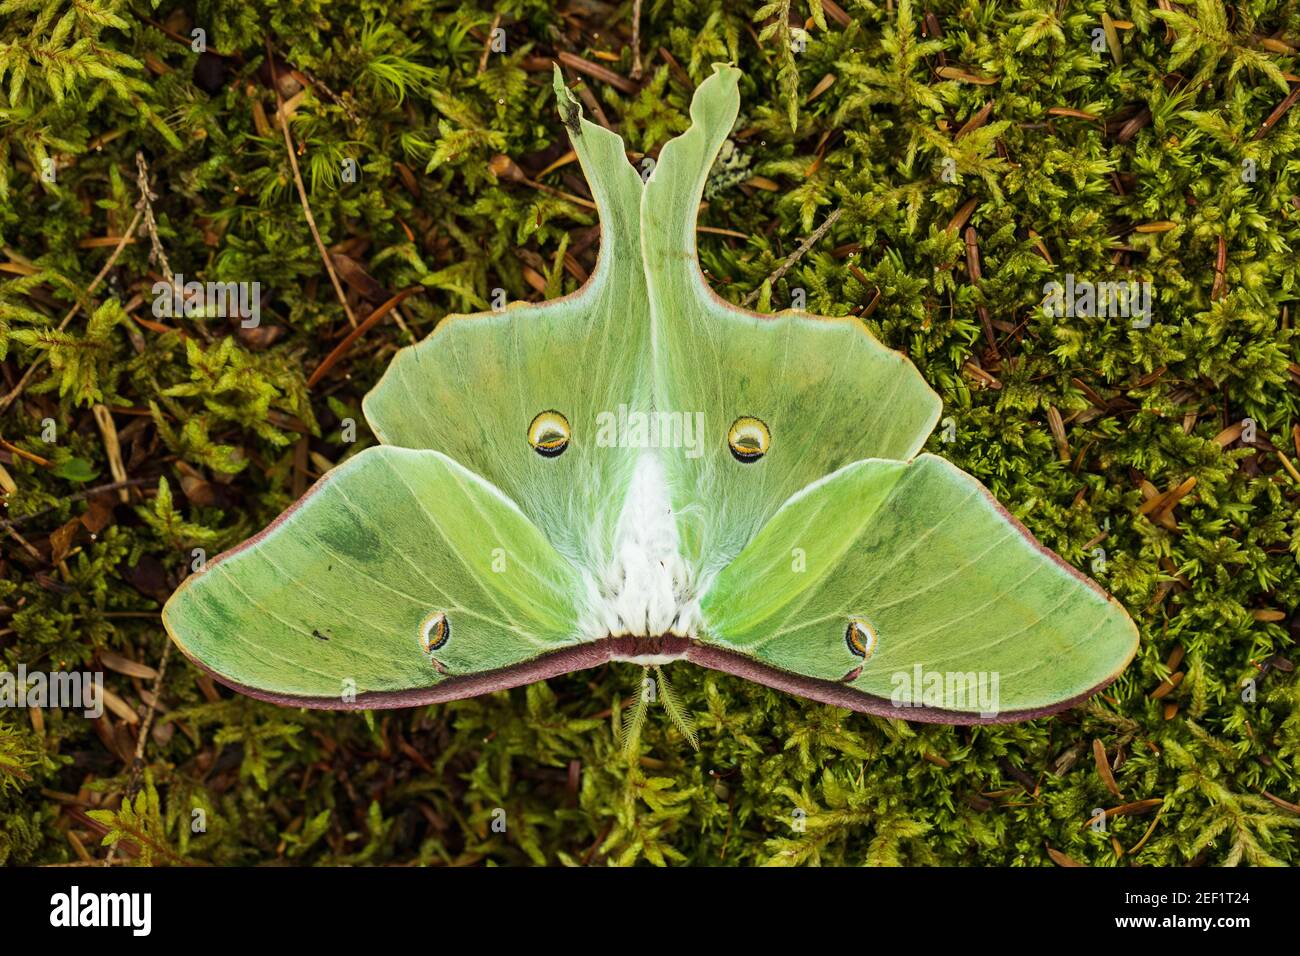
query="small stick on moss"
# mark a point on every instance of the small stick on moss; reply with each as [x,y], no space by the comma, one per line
[570,157]
[712,230]
[1103,767]
[836,13]
[147,196]
[824,84]
[156,252]
[583,89]
[1130,129]
[1278,801]
[302,190]
[487,44]
[1228,435]
[681,76]
[975,122]
[330,94]
[596,72]
[113,449]
[596,845]
[1286,463]
[504,167]
[27,545]
[88,493]
[1220,268]
[138,760]
[1278,113]
[1112,38]
[962,215]
[973,270]
[933,29]
[1162,504]
[298,484]
[1071,113]
[1057,427]
[976,372]
[636,39]
[1167,686]
[1137,808]
[370,322]
[870,308]
[21,453]
[796,255]
[965,76]
[406,330]
[864,312]
[1146,836]
[1061,859]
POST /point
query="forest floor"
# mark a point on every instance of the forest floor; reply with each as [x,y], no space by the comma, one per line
[971,153]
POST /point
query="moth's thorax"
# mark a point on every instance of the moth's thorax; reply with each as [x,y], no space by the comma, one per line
[646,588]
[649,651]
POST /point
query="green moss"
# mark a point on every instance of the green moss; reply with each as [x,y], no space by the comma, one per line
[220,430]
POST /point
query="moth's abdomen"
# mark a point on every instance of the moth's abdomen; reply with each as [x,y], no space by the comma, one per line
[646,589]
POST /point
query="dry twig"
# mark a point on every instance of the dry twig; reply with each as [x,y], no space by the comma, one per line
[796,255]
[302,190]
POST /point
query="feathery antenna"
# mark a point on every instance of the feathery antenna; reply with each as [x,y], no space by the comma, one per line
[676,712]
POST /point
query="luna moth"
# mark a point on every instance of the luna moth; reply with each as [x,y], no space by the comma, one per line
[521,519]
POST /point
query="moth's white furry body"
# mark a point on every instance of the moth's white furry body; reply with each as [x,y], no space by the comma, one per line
[646,588]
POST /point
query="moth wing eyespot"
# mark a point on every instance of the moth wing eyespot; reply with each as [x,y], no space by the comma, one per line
[549,433]
[748,439]
[435,632]
[860,637]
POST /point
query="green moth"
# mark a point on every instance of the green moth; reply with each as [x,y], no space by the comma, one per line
[643,472]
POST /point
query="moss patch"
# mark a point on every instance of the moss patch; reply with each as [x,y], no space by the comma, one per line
[977,153]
